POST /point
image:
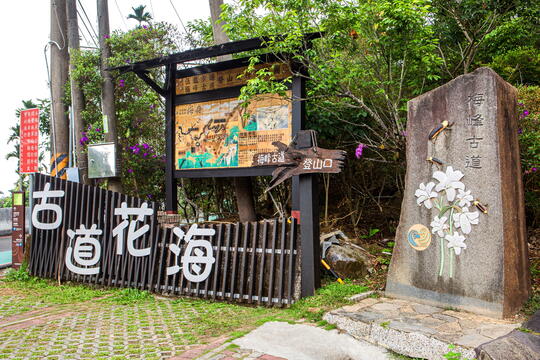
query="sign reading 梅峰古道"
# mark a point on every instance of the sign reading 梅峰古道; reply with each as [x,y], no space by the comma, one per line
[222,133]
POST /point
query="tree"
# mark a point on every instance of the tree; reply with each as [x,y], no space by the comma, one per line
[140,15]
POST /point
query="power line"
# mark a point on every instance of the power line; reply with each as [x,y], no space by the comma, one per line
[181,22]
[86,27]
[89,22]
[152,6]
[121,15]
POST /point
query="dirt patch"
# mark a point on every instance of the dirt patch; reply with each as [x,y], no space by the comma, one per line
[34,321]
[5,291]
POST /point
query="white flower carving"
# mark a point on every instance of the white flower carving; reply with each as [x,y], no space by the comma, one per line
[424,194]
[465,198]
[456,242]
[464,219]
[439,225]
[449,182]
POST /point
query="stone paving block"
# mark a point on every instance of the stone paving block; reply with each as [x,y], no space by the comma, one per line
[472,340]
[426,309]
[419,330]
[385,306]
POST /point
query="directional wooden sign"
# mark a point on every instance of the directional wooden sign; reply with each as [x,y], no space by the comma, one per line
[294,162]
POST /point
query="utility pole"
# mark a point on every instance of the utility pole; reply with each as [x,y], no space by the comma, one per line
[242,185]
[59,78]
[107,87]
[77,99]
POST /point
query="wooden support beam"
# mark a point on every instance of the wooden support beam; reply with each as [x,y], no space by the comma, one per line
[150,82]
[204,53]
[171,190]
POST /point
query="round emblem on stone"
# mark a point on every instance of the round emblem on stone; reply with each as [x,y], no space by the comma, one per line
[419,237]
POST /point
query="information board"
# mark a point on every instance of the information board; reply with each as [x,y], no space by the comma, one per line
[223,133]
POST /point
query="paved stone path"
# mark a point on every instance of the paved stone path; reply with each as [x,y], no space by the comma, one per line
[415,329]
[157,329]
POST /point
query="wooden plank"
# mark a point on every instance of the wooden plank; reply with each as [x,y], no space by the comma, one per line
[237,228]
[272,261]
[163,250]
[217,266]
[227,254]
[243,270]
[292,263]
[263,258]
[282,240]
[252,271]
[113,269]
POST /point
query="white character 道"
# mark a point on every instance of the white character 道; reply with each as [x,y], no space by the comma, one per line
[196,268]
[86,251]
[133,234]
[44,205]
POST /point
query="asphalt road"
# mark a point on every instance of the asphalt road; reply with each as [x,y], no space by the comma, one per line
[5,243]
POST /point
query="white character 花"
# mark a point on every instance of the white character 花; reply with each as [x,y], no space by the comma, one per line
[133,234]
[86,251]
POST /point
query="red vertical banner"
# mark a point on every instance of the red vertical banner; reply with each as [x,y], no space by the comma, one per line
[29,135]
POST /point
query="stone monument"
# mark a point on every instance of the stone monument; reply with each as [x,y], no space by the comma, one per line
[461,240]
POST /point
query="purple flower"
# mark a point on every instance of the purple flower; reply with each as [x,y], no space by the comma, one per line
[404,133]
[98,129]
[534,169]
[145,146]
[152,106]
[525,113]
[520,104]
[145,27]
[145,154]
[130,171]
[83,140]
[154,156]
[136,150]
[89,127]
[121,83]
[83,133]
[520,131]
[359,150]
[106,36]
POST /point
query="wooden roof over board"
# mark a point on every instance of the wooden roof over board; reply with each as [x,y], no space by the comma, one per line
[232,47]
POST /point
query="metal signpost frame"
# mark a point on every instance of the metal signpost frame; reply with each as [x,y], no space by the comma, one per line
[304,187]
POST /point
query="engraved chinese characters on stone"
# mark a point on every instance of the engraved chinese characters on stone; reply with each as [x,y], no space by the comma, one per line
[133,233]
[198,256]
[44,205]
[84,249]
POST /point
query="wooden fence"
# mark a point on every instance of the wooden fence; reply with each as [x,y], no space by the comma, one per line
[86,234]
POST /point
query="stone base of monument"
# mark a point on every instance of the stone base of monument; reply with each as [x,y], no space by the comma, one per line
[417,330]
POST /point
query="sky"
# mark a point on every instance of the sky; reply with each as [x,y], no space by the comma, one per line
[23,65]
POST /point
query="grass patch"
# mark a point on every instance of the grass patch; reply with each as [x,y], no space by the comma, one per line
[330,327]
[328,297]
[47,291]
[237,334]
[129,296]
